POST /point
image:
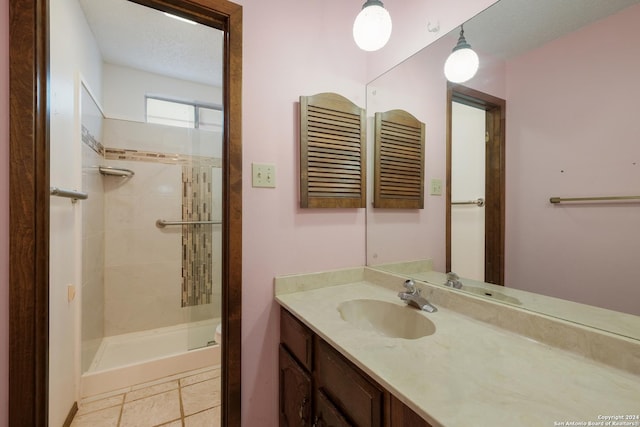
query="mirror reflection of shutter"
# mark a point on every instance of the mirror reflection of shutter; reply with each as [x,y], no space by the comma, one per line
[332,152]
[398,161]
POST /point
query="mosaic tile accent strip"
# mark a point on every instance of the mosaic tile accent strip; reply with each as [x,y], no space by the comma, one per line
[197,248]
[91,141]
[157,157]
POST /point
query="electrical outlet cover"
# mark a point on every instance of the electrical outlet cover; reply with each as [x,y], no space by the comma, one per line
[436,187]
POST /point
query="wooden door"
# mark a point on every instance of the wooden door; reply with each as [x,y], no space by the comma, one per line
[494,181]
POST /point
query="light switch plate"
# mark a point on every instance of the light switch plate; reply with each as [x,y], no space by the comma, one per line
[264,175]
[436,187]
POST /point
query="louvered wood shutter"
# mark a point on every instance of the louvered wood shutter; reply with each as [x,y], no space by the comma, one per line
[332,152]
[399,161]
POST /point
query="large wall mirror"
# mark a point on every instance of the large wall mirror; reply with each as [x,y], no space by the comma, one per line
[568,72]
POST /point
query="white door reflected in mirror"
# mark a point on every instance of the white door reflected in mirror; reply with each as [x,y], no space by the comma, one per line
[467,184]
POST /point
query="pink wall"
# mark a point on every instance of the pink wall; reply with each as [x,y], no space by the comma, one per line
[572,136]
[312,52]
[4,211]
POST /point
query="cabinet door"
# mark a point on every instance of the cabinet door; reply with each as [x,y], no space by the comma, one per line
[327,415]
[295,393]
[357,398]
[403,416]
[297,338]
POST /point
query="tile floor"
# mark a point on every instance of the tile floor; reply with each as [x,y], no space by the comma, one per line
[191,399]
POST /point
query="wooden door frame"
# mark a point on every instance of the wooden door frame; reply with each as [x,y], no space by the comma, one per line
[495,177]
[29,203]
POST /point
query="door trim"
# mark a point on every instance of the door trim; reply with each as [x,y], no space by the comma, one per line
[29,204]
[495,177]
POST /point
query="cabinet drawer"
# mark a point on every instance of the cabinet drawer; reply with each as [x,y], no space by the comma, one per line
[327,415]
[295,392]
[297,338]
[356,397]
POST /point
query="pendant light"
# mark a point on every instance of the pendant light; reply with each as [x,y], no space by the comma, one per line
[372,27]
[462,64]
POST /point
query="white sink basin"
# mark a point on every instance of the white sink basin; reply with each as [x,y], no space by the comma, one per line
[386,318]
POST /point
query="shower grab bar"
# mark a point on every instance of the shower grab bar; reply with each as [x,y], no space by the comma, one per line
[479,202]
[591,199]
[69,194]
[161,223]
[109,170]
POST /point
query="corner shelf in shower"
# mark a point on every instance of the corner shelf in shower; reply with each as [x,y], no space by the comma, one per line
[111,171]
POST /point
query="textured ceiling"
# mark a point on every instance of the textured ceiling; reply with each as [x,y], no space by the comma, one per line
[139,37]
[511,27]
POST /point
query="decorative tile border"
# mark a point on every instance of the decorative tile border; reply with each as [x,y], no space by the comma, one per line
[91,141]
[157,157]
[197,248]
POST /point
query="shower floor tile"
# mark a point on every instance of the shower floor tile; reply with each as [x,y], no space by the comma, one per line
[193,399]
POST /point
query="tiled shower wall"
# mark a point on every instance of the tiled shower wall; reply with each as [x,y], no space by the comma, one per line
[144,263]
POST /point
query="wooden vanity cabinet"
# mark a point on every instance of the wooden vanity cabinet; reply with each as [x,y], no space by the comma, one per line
[402,415]
[295,364]
[319,387]
[358,398]
[295,392]
[326,414]
[297,338]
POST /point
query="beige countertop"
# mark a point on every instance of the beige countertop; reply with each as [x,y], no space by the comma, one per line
[468,372]
[624,324]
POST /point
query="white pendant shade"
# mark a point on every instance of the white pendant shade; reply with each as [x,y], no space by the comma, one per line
[461,65]
[372,27]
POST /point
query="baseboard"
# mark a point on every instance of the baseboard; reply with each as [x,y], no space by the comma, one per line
[72,413]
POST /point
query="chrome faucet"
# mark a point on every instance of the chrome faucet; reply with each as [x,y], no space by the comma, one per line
[453,280]
[412,297]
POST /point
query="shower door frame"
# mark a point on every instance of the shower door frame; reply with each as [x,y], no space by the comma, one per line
[29,203]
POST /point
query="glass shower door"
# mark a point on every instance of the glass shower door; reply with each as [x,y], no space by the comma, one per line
[202,215]
[160,117]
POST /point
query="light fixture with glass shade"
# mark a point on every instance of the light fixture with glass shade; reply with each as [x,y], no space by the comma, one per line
[372,27]
[462,64]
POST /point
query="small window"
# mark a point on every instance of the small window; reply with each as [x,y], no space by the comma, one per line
[182,114]
[170,113]
[209,118]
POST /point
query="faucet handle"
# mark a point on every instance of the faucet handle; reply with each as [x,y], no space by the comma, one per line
[452,276]
[453,280]
[411,287]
